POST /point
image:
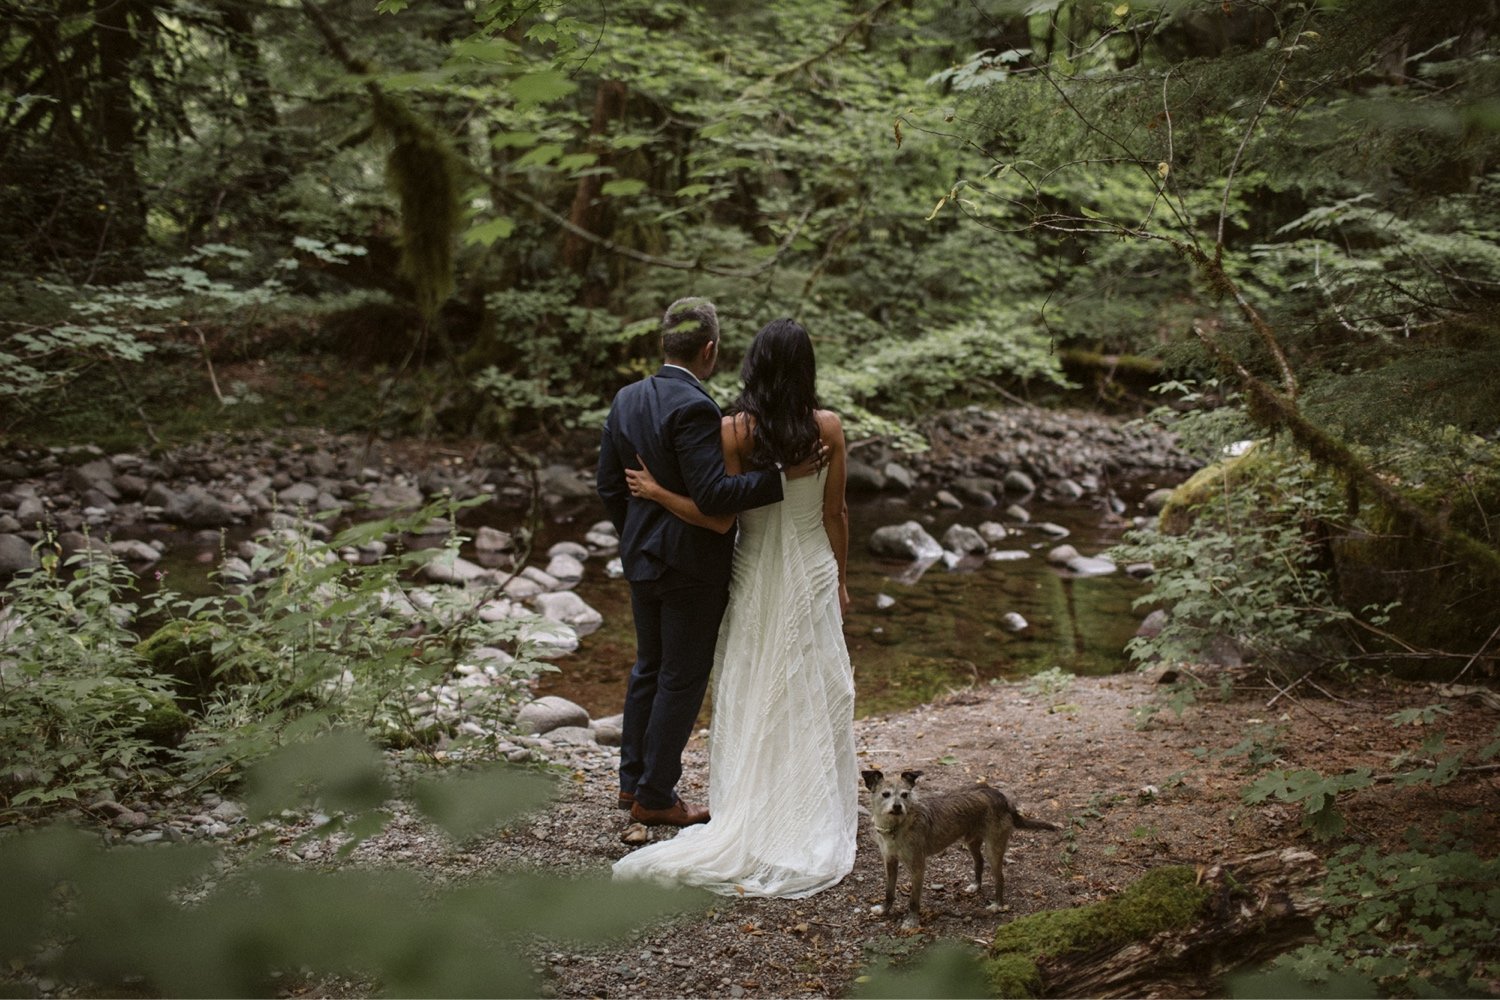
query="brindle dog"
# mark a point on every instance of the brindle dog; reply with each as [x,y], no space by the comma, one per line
[910,828]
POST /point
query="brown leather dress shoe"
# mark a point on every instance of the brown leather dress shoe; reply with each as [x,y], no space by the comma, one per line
[679,813]
[626,800]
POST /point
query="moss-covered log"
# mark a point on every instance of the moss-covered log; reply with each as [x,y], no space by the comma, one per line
[1178,927]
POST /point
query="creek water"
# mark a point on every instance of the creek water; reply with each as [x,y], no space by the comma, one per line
[911,637]
[911,640]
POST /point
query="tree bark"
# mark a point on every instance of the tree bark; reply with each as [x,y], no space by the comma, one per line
[589,212]
[118,46]
[1261,906]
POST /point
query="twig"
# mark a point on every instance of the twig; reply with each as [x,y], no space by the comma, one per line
[208,362]
[680,265]
[1473,659]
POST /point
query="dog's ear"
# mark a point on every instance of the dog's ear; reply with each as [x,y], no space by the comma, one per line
[872,778]
[910,777]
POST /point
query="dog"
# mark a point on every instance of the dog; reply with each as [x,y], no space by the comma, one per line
[910,828]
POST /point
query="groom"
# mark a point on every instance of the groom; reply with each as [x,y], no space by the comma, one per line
[678,573]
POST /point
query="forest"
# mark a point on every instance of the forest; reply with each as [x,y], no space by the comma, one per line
[409,250]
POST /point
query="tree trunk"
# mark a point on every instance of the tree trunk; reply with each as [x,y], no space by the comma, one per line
[589,212]
[118,46]
[1261,906]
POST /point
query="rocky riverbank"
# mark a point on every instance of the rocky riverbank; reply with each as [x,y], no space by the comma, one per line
[135,506]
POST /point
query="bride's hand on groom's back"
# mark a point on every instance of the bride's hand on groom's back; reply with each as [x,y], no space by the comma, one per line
[810,465]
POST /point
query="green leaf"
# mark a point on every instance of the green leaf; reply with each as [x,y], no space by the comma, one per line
[471,804]
[487,233]
[341,771]
[540,87]
[622,188]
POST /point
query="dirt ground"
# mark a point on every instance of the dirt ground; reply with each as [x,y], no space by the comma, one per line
[1133,790]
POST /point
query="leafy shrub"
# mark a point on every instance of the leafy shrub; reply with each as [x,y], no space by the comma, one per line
[79,712]
[1247,565]
[1419,922]
[316,642]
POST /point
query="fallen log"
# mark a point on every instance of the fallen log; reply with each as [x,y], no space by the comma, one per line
[1176,931]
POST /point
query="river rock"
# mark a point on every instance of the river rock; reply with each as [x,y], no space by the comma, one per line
[133,550]
[578,736]
[566,482]
[1007,555]
[15,555]
[573,549]
[1067,489]
[992,532]
[1060,555]
[964,540]
[1052,530]
[898,477]
[976,490]
[549,639]
[1091,566]
[863,478]
[567,607]
[299,495]
[31,511]
[394,496]
[488,539]
[1154,501]
[944,498]
[566,569]
[1015,512]
[195,507]
[905,541]
[1017,481]
[607,732]
[1151,626]
[452,568]
[1012,621]
[522,588]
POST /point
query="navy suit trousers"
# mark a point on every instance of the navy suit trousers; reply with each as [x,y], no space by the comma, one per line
[676,628]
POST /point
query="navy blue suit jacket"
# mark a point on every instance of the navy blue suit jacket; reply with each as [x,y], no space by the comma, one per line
[670,421]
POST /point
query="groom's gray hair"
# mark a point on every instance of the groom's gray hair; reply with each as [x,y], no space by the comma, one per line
[687,326]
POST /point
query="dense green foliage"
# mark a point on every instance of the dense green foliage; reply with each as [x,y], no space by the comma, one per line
[463,216]
[90,712]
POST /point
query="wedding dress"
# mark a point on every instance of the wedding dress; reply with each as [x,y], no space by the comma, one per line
[783,779]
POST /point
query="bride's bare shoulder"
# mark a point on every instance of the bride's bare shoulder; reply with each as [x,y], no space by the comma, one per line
[829,424]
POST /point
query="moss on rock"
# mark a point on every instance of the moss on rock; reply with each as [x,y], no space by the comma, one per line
[1166,899]
[183,651]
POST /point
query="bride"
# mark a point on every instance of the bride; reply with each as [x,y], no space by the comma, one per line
[784,782]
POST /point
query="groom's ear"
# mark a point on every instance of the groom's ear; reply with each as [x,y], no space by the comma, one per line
[872,778]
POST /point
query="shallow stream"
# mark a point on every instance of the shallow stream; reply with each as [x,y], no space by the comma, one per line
[938,632]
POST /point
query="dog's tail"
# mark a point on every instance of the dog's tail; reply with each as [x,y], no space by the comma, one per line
[1025,823]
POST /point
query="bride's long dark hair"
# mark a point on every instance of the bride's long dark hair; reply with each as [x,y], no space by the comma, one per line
[780,394]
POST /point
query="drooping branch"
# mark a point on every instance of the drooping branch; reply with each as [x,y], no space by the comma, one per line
[645,258]
[765,83]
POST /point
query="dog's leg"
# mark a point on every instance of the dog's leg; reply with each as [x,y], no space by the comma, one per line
[995,845]
[889,906]
[913,918]
[977,848]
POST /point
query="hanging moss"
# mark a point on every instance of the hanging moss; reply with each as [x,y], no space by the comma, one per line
[424,173]
[1166,899]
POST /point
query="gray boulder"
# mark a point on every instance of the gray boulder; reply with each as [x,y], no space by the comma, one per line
[570,609]
[195,507]
[1017,481]
[898,477]
[862,478]
[905,541]
[549,712]
[976,490]
[964,540]
[15,555]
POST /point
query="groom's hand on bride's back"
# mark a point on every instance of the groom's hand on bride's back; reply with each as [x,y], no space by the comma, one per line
[809,465]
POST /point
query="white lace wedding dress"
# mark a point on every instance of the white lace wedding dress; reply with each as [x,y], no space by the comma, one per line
[783,779]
